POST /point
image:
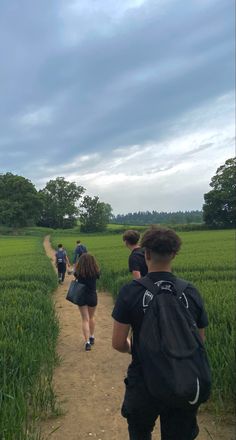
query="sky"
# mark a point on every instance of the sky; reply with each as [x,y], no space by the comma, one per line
[132,99]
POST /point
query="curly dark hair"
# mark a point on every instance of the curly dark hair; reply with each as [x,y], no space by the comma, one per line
[161,241]
[131,236]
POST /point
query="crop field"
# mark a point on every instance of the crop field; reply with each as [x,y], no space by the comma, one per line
[28,333]
[207,260]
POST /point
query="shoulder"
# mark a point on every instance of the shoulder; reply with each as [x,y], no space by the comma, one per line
[126,300]
[193,292]
[130,291]
[135,255]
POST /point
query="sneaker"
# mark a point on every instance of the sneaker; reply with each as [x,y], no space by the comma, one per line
[91,340]
[87,346]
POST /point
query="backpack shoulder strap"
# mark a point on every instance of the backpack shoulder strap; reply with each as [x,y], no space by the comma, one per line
[148,284]
[180,285]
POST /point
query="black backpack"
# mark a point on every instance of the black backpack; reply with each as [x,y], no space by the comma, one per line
[172,354]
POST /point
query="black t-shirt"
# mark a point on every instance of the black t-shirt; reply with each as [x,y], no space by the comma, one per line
[133,299]
[137,261]
[90,282]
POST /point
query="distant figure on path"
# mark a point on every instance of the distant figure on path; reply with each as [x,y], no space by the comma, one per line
[61,261]
[138,308]
[137,263]
[79,250]
[87,272]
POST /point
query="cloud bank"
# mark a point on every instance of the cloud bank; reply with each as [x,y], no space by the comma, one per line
[132,99]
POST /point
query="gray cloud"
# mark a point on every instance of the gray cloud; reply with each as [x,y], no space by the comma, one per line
[82,78]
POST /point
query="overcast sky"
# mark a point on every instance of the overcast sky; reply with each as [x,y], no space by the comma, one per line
[133,99]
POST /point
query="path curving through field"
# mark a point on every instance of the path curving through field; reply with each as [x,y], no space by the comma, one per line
[89,385]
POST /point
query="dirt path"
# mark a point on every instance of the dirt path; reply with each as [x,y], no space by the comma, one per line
[89,385]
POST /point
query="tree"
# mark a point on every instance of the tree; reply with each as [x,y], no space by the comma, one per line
[219,209]
[59,199]
[95,214]
[20,203]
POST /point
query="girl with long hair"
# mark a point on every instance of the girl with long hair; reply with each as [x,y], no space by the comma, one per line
[87,272]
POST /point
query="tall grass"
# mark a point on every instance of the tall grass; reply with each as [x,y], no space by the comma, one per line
[28,334]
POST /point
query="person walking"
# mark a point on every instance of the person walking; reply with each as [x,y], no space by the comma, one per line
[61,261]
[137,263]
[140,407]
[87,272]
[79,250]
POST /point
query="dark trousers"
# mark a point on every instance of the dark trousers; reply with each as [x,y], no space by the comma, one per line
[61,269]
[141,411]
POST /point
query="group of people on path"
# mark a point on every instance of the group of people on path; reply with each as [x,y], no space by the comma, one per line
[62,260]
[86,271]
[150,264]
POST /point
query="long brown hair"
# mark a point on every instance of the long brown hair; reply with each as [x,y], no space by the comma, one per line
[87,266]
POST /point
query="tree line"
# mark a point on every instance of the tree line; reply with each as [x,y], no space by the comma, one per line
[155,217]
[61,203]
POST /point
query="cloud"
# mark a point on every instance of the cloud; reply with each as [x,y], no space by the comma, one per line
[169,175]
[37,117]
[117,93]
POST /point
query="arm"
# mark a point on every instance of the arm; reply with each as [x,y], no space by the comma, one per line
[66,258]
[75,256]
[136,274]
[202,334]
[120,340]
[134,266]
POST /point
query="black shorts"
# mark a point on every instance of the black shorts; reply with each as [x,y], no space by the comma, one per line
[88,299]
[141,411]
[61,267]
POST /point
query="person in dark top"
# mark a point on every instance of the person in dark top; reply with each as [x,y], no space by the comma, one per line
[79,250]
[137,263]
[139,408]
[87,272]
[61,260]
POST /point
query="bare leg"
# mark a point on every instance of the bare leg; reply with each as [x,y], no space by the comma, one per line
[85,322]
[91,312]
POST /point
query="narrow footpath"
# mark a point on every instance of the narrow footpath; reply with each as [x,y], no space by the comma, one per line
[89,385]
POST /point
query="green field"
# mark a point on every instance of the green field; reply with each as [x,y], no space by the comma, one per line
[207,260]
[29,328]
[28,334]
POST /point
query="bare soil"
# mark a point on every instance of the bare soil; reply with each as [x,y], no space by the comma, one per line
[89,385]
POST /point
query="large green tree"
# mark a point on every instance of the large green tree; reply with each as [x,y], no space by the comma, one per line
[59,199]
[20,203]
[219,209]
[95,215]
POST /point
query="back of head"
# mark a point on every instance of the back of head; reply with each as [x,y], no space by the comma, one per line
[131,236]
[162,243]
[59,246]
[87,266]
[78,241]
